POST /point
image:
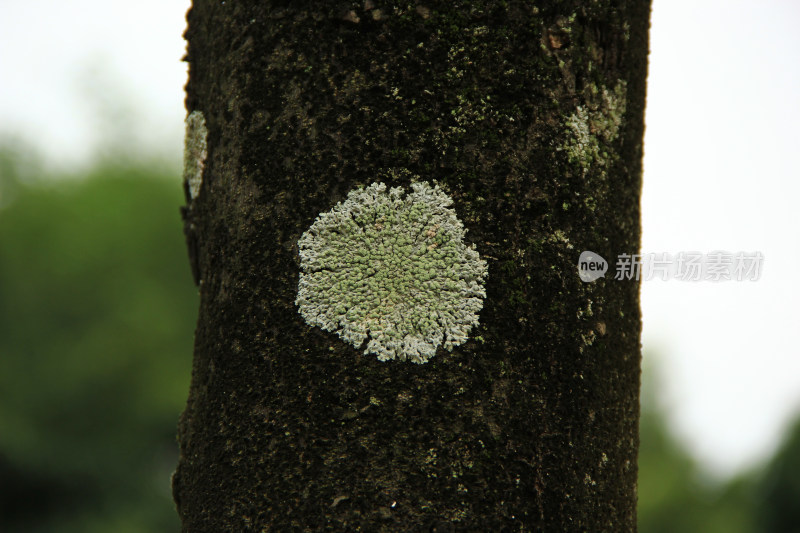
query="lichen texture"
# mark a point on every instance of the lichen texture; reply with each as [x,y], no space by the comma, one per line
[594,126]
[194,152]
[394,268]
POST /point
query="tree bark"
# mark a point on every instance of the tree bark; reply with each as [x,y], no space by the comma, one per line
[530,116]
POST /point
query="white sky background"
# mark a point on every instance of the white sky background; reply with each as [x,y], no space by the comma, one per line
[67,69]
[722,172]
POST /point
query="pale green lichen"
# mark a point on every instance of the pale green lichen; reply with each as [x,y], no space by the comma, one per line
[392,268]
[195,151]
[592,127]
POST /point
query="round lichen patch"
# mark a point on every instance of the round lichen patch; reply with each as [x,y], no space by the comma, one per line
[392,268]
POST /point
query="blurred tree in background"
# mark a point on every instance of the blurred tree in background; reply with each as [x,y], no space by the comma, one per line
[673,494]
[97,310]
[778,494]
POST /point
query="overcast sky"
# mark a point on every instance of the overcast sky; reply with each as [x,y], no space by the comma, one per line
[721,173]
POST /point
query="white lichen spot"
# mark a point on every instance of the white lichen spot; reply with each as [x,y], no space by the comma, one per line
[592,127]
[392,269]
[195,150]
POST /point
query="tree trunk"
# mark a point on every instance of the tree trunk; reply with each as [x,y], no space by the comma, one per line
[530,117]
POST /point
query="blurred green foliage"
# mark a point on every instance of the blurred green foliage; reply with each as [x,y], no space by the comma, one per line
[97,310]
[674,496]
[778,492]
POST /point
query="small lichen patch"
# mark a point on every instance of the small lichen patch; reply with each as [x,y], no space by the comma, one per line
[593,126]
[195,150]
[392,268]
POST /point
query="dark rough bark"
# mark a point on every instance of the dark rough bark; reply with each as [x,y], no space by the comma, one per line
[530,114]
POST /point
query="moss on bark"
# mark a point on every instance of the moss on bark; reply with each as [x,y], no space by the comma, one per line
[531,117]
